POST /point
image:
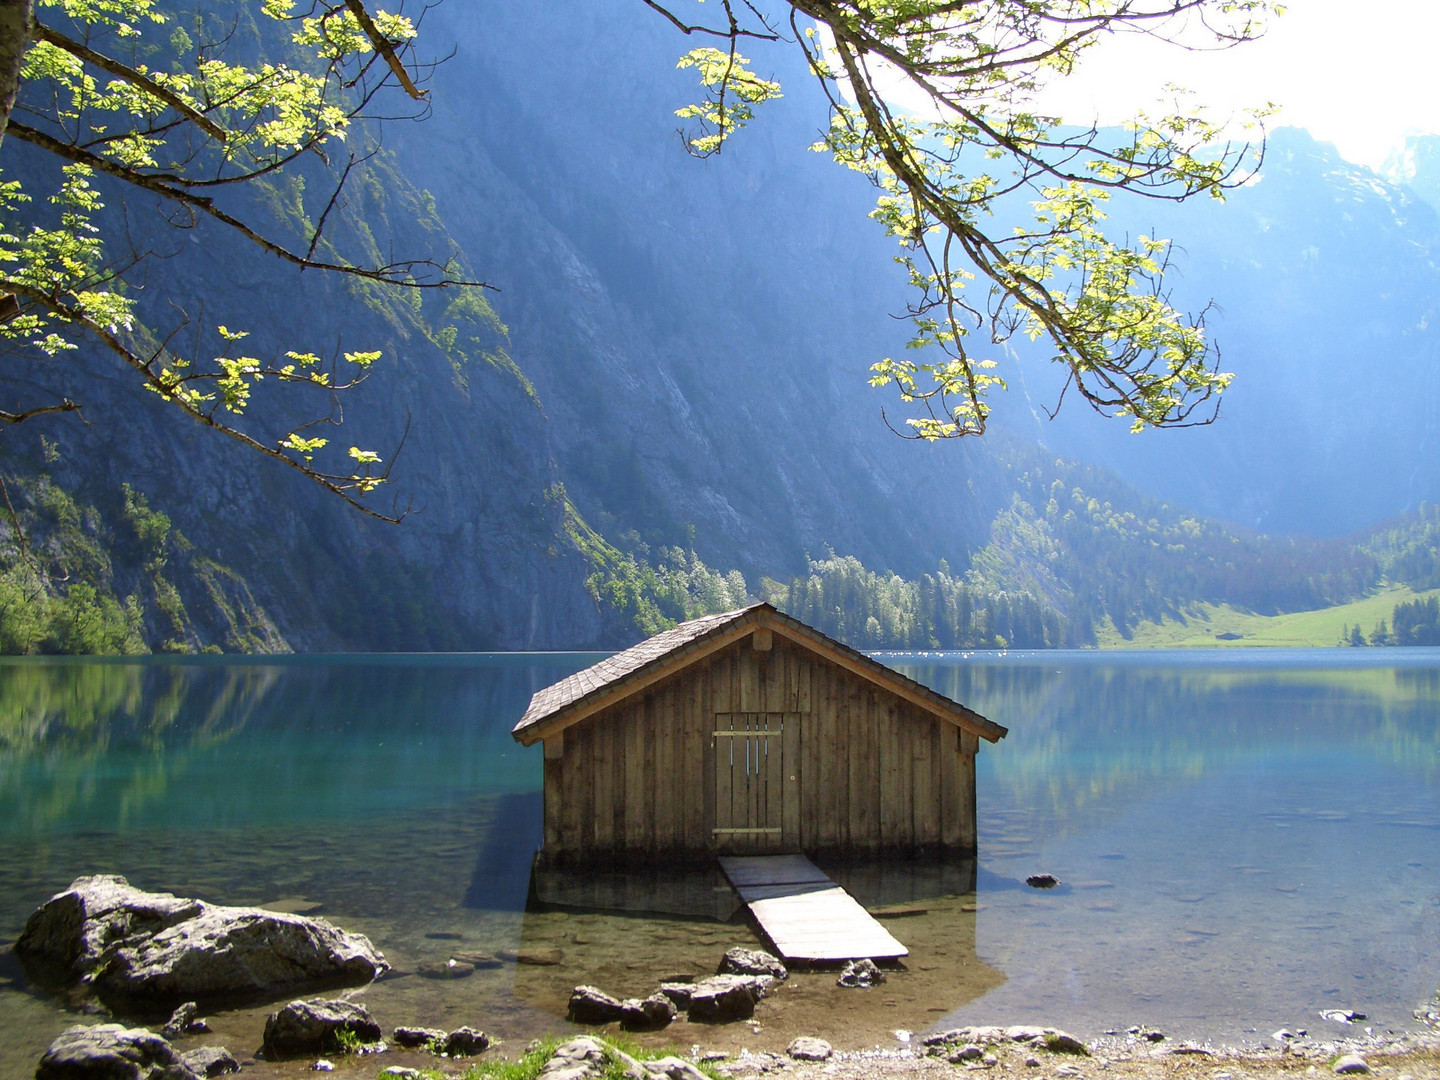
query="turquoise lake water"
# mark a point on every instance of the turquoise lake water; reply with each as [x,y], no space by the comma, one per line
[1243,839]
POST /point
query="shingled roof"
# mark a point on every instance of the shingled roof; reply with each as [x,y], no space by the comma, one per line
[614,678]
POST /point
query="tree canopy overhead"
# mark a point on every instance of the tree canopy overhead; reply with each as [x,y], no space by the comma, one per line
[938,103]
[935,101]
[181,110]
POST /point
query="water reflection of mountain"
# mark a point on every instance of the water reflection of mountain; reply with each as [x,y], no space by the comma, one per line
[106,744]
[1085,733]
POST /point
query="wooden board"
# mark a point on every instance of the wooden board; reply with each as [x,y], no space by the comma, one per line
[804,914]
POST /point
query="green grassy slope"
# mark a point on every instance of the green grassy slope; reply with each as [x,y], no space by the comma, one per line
[1300,629]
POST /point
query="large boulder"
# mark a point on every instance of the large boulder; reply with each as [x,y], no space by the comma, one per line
[153,949]
[314,1027]
[112,1052]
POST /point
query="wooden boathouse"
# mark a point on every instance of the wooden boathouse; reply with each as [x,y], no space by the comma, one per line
[751,733]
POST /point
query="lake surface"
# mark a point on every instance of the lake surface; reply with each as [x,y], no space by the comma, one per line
[1243,839]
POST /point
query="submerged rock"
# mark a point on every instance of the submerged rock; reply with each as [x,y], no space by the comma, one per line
[1042,881]
[308,1027]
[112,1052]
[145,948]
[444,969]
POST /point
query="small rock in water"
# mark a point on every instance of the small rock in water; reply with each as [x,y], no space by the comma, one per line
[1341,1016]
[1042,881]
[741,961]
[807,1048]
[722,998]
[303,1027]
[541,957]
[445,969]
[861,973]
[293,905]
[1283,1034]
[903,1036]
[184,1021]
[211,1061]
[1152,1035]
[477,959]
[412,1038]
[464,1042]
[1351,1063]
[591,1005]
[655,1011]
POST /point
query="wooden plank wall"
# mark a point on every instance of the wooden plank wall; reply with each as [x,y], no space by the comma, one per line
[876,775]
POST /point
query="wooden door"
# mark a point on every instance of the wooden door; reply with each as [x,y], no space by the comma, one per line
[756,778]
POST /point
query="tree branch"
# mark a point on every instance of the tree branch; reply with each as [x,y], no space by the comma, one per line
[130,75]
[397,273]
[20,417]
[384,48]
[335,483]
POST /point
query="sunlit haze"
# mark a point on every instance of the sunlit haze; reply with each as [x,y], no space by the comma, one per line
[1360,76]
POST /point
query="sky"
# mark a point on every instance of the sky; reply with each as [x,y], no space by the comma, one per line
[1361,76]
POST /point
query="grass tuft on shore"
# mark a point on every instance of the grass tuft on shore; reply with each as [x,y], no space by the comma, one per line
[542,1050]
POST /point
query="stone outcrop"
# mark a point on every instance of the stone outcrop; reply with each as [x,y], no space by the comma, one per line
[585,1058]
[311,1027]
[148,949]
[112,1052]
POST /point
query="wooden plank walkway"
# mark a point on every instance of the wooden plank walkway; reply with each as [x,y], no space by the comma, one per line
[805,915]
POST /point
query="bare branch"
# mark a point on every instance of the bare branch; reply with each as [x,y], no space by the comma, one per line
[20,417]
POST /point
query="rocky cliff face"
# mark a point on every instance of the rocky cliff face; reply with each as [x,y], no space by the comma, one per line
[695,336]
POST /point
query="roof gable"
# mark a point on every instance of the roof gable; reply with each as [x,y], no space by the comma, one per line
[629,672]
